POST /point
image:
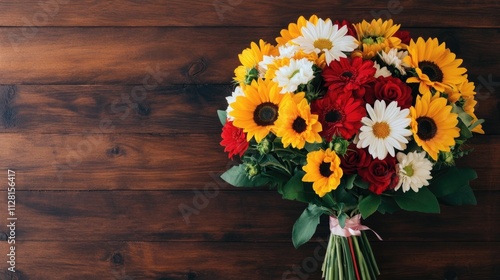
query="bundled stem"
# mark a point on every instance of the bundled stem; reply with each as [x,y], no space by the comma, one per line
[349,258]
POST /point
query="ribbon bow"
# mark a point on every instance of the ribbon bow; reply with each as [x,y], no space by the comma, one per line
[352,226]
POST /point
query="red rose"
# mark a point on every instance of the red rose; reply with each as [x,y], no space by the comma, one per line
[354,160]
[390,89]
[234,140]
[380,174]
[404,36]
[350,27]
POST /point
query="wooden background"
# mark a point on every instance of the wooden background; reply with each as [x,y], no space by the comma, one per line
[108,117]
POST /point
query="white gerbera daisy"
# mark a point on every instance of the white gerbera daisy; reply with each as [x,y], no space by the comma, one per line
[414,171]
[326,37]
[238,91]
[384,72]
[385,129]
[298,72]
[395,58]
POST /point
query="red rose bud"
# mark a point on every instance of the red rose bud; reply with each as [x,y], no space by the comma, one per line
[350,27]
[390,89]
[380,174]
[404,35]
[354,160]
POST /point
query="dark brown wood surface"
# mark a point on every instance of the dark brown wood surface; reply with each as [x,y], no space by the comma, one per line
[108,117]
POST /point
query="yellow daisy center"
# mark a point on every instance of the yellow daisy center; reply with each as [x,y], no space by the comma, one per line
[431,70]
[427,128]
[381,130]
[265,114]
[323,44]
[324,169]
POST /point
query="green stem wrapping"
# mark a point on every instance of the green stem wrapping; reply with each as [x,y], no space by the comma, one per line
[339,264]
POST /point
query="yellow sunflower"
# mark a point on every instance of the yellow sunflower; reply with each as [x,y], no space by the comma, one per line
[433,125]
[249,59]
[257,111]
[296,125]
[469,105]
[294,29]
[377,36]
[436,66]
[323,170]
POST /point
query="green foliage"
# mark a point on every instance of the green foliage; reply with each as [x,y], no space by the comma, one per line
[422,201]
[369,204]
[305,226]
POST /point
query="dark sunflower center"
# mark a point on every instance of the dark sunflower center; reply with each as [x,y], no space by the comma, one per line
[324,169]
[431,70]
[333,116]
[426,128]
[299,125]
[347,74]
[265,114]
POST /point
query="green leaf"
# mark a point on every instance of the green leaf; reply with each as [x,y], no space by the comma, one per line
[464,196]
[369,204]
[237,177]
[476,123]
[422,201]
[222,116]
[311,147]
[450,180]
[342,218]
[388,205]
[349,181]
[295,189]
[305,226]
[358,182]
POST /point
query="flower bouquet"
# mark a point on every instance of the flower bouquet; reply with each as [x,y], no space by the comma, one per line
[351,119]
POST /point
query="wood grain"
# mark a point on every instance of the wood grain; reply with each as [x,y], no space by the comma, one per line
[107,115]
[176,109]
[235,260]
[199,215]
[241,13]
[165,56]
[155,162]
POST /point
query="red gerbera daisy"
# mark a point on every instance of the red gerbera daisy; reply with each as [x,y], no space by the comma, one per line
[339,114]
[349,76]
[234,140]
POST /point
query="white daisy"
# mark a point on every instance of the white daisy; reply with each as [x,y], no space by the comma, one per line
[385,129]
[298,72]
[326,37]
[414,171]
[238,91]
[395,58]
[285,51]
[288,50]
[384,72]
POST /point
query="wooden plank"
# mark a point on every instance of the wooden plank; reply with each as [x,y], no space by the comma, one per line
[157,162]
[78,109]
[210,214]
[214,260]
[173,55]
[164,109]
[240,13]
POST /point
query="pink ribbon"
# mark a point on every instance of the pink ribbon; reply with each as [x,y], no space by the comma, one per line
[352,226]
